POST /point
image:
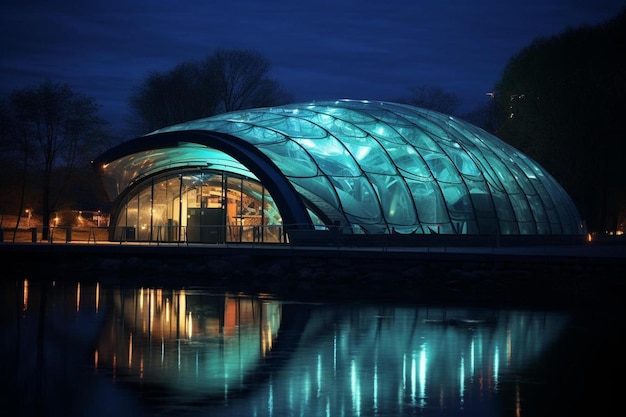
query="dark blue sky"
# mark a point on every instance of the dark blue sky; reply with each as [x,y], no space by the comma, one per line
[361,49]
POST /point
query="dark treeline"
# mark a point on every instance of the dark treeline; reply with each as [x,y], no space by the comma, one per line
[562,101]
[559,101]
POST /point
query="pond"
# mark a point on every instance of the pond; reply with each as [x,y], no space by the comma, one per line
[74,347]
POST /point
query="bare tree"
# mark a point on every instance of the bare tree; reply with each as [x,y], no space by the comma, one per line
[53,130]
[433,98]
[243,80]
[189,91]
[225,81]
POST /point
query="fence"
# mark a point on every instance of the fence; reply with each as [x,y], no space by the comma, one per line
[56,235]
[298,236]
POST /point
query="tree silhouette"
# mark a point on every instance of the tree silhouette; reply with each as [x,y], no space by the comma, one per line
[564,99]
[433,98]
[51,130]
[226,81]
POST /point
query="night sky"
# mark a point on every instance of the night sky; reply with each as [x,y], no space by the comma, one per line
[360,49]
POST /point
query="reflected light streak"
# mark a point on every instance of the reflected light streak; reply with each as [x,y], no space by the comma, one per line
[151,306]
[335,353]
[25,296]
[375,396]
[270,398]
[267,340]
[78,297]
[355,388]
[462,379]
[496,367]
[423,375]
[319,375]
[404,372]
[473,357]
[413,377]
[509,346]
[130,350]
[97,297]
[182,309]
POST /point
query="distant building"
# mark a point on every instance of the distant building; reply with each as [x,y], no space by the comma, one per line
[353,167]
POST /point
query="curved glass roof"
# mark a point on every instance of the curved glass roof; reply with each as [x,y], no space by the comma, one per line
[381,167]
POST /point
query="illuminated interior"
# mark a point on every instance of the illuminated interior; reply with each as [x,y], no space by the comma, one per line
[369,167]
[199,205]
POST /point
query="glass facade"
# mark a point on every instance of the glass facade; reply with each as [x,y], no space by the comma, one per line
[370,167]
[198,205]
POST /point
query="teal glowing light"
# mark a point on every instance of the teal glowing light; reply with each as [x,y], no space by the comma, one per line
[370,167]
[386,167]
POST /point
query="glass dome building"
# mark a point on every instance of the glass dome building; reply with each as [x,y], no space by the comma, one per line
[359,167]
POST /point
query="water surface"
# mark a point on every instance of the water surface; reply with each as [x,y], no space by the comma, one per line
[72,348]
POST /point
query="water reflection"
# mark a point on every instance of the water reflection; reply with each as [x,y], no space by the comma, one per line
[75,349]
[188,342]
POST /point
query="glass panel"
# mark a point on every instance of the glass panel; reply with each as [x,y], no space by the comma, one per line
[260,135]
[234,208]
[144,223]
[527,228]
[296,127]
[370,156]
[128,220]
[430,204]
[430,125]
[503,206]
[396,201]
[464,164]
[487,225]
[161,210]
[420,140]
[331,156]
[521,179]
[346,114]
[481,198]
[409,161]
[458,201]
[536,205]
[508,228]
[442,168]
[340,128]
[522,210]
[319,187]
[291,159]
[358,199]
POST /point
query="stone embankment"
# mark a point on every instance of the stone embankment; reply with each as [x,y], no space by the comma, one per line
[525,276]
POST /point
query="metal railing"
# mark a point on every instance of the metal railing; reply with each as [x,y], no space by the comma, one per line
[300,235]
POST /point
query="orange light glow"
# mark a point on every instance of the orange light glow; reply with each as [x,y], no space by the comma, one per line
[25,298]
